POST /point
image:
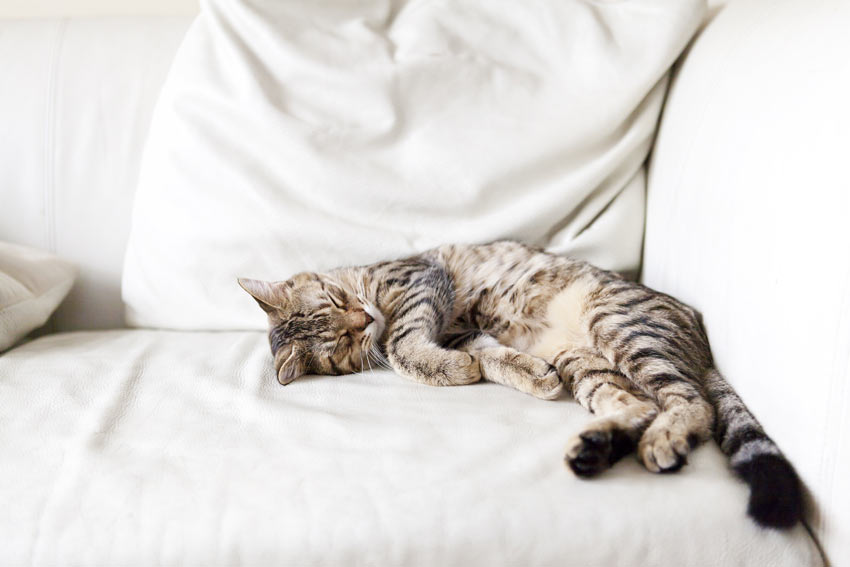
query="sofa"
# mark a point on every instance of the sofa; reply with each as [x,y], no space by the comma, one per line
[147,446]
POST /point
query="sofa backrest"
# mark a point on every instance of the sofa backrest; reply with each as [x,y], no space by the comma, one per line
[76,97]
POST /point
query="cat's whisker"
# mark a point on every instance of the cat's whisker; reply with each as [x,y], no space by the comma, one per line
[362,350]
[382,364]
[380,360]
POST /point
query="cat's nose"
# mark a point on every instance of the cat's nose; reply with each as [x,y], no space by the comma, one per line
[361,320]
[365,319]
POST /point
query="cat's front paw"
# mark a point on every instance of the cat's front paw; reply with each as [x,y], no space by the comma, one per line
[535,376]
[461,369]
[548,386]
[437,366]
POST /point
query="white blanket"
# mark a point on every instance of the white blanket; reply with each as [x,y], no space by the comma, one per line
[145,447]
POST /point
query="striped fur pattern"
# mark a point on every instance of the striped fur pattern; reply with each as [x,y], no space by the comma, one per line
[540,323]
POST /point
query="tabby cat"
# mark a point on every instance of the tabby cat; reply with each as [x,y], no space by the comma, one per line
[537,322]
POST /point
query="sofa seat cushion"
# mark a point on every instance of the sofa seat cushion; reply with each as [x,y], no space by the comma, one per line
[157,447]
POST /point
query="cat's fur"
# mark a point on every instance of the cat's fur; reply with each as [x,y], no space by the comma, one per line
[636,358]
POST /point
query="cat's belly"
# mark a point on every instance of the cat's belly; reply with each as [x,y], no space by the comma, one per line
[564,325]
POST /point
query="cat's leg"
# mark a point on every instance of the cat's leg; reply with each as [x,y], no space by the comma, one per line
[413,353]
[686,418]
[624,412]
[661,349]
[417,320]
[509,366]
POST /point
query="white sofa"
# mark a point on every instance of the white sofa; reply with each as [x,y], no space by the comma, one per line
[125,446]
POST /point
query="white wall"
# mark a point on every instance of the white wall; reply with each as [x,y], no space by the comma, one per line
[54,8]
[61,8]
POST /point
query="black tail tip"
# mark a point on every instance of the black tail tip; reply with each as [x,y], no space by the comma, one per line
[776,497]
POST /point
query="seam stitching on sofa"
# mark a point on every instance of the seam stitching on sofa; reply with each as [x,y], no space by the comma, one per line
[49,195]
[834,414]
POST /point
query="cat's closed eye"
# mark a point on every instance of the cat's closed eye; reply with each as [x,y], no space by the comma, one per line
[339,304]
[343,342]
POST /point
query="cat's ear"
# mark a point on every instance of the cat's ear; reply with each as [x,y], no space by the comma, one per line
[270,295]
[289,364]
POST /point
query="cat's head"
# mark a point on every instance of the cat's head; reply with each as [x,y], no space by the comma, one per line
[318,324]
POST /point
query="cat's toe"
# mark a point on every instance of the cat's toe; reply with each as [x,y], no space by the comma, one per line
[541,378]
[548,386]
[465,369]
[663,450]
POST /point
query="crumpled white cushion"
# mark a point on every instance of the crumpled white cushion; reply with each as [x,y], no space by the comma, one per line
[32,285]
[140,447]
[296,135]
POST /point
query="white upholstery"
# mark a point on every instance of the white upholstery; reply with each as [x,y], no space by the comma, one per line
[170,448]
[75,99]
[749,197]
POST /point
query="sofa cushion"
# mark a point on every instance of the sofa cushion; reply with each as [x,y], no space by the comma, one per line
[32,284]
[142,447]
[298,135]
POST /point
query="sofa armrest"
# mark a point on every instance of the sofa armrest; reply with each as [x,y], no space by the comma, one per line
[748,206]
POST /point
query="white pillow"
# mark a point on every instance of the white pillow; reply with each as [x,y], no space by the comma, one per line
[296,135]
[32,285]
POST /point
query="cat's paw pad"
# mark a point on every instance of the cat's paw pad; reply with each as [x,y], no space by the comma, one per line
[664,447]
[589,453]
[595,449]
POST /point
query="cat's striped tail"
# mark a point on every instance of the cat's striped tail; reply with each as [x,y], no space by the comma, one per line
[776,498]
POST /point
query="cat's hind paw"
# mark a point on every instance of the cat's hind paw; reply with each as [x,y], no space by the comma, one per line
[597,448]
[665,445]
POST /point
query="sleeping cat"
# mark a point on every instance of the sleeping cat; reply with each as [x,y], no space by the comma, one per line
[636,358]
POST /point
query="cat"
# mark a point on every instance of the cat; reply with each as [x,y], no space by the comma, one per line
[540,323]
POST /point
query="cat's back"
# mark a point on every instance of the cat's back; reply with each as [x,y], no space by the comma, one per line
[498,270]
[486,262]
[502,261]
